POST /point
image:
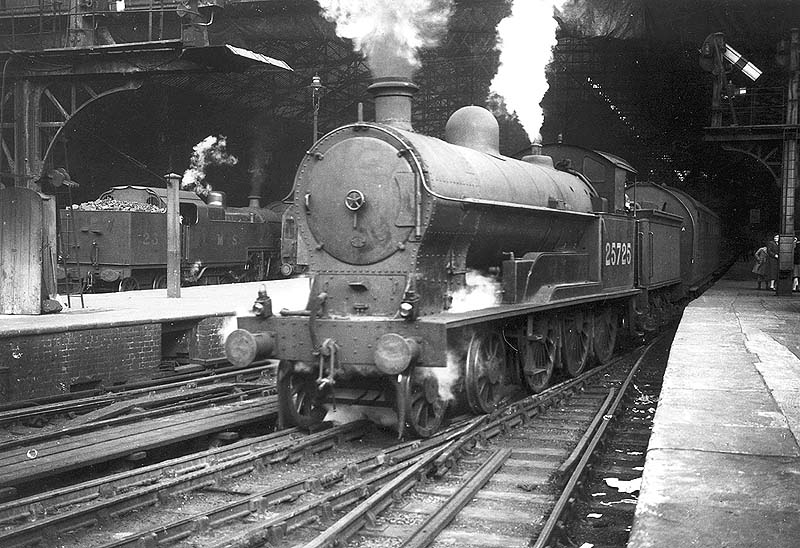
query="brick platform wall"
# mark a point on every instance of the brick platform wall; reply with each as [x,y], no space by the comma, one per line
[43,365]
[207,339]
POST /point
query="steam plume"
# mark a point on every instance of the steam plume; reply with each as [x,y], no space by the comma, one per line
[449,376]
[389,33]
[480,292]
[210,151]
[525,41]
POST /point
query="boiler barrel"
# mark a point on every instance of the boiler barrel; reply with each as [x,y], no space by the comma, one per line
[513,205]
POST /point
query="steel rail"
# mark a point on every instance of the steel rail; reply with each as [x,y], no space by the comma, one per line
[16,411]
[451,442]
[376,464]
[433,525]
[145,486]
[136,489]
[574,457]
[366,511]
[519,412]
[204,400]
[479,429]
[443,448]
[553,520]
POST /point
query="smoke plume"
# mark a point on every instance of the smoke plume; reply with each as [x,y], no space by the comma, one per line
[210,151]
[389,33]
[525,41]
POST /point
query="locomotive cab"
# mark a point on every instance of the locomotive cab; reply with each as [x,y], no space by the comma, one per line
[188,214]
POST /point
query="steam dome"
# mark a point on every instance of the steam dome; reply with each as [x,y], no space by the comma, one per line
[474,127]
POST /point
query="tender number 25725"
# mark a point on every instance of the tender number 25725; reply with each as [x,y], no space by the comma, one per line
[618,253]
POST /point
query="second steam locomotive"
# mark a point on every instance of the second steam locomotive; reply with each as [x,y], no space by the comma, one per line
[117,242]
[398,225]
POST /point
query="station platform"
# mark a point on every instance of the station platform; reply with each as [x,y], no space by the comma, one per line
[723,463]
[121,338]
[153,305]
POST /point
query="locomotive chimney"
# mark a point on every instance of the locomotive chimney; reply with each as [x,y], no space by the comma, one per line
[254,201]
[536,146]
[393,101]
[535,153]
[536,156]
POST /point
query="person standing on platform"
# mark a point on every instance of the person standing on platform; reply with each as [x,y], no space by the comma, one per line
[760,266]
[796,267]
[772,260]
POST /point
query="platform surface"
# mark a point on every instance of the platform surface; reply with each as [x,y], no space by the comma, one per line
[153,306]
[723,463]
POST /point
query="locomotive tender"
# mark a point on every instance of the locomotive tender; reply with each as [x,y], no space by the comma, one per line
[125,249]
[394,223]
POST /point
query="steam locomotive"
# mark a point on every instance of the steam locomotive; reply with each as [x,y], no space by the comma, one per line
[397,226]
[117,242]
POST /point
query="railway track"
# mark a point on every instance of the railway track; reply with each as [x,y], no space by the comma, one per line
[603,510]
[510,492]
[38,520]
[137,428]
[350,483]
[36,413]
[147,409]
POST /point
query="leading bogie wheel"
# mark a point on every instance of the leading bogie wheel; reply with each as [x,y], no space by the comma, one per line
[422,407]
[539,353]
[575,343]
[485,371]
[299,398]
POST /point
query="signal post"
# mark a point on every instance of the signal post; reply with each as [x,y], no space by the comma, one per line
[760,126]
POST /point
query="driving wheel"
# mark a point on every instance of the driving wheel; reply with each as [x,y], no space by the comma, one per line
[575,343]
[484,371]
[160,282]
[539,354]
[128,284]
[299,398]
[606,326]
[658,311]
